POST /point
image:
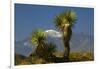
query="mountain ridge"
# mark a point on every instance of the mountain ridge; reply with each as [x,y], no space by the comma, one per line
[78,43]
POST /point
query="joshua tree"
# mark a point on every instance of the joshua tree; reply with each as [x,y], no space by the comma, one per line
[38,37]
[64,22]
[44,49]
[50,49]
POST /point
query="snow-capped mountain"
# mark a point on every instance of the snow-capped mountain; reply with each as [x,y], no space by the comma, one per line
[24,48]
[78,43]
[56,38]
[53,33]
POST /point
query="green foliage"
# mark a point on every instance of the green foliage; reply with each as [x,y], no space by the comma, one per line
[66,17]
[38,37]
[44,50]
[50,47]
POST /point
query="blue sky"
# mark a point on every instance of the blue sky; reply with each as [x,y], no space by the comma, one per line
[29,17]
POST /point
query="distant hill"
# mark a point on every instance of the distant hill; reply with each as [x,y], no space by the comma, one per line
[83,43]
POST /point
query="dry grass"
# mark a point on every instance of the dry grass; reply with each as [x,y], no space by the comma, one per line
[33,59]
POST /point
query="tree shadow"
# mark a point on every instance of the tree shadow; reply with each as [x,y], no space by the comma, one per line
[55,59]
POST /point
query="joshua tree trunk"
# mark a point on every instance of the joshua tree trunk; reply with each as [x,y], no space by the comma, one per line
[40,50]
[66,51]
[66,38]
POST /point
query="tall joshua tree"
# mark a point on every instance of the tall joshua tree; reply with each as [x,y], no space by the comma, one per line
[64,22]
